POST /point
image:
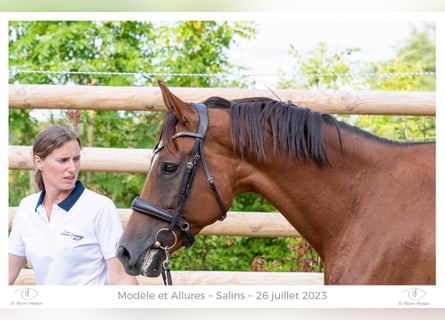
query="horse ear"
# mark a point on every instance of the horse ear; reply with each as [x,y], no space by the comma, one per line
[184,111]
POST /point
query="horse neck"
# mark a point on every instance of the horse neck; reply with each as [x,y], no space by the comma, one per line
[319,201]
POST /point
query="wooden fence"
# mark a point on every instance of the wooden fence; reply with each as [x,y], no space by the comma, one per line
[258,224]
[150,99]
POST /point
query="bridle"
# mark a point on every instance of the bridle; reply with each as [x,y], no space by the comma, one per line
[175,218]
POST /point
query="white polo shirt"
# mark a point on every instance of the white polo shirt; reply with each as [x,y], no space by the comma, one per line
[72,247]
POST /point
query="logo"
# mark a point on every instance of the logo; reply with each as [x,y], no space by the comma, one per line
[415,294]
[26,297]
[414,297]
[73,236]
[27,293]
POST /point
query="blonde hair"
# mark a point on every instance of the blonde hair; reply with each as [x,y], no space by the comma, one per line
[47,141]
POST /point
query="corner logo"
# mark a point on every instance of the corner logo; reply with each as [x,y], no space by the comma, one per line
[413,298]
[25,297]
[415,294]
[27,293]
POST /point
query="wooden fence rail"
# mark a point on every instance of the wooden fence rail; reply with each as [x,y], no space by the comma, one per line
[150,99]
[247,224]
[93,159]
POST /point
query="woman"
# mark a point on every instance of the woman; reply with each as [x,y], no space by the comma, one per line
[65,232]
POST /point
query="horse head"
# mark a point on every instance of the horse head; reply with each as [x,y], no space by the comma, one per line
[180,195]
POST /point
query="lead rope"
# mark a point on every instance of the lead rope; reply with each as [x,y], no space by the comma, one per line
[166,274]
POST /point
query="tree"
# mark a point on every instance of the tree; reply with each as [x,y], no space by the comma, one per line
[320,69]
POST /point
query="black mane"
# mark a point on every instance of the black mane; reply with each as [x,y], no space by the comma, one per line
[295,131]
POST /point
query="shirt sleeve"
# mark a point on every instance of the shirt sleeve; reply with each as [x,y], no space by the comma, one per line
[109,229]
[16,244]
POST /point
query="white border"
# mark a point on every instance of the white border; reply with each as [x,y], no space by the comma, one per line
[338,296]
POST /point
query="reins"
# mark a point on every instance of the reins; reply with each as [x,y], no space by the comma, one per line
[175,219]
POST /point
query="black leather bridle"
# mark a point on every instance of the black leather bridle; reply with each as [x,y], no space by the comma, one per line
[175,218]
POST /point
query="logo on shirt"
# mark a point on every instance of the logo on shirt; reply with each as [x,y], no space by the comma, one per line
[73,236]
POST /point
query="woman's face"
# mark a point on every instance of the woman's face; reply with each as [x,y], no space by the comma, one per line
[61,167]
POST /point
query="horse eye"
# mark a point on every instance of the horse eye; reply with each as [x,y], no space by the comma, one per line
[169,168]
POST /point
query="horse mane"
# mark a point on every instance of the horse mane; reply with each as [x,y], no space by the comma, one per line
[295,131]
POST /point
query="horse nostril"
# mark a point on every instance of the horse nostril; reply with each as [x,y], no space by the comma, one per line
[123,253]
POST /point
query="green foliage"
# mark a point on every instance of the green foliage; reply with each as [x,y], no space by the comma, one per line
[198,47]
[417,54]
[320,61]
[224,253]
[80,46]
[251,202]
[22,129]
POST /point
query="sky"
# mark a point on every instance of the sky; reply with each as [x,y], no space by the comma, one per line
[378,40]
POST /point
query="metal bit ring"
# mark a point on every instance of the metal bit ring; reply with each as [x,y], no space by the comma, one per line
[158,244]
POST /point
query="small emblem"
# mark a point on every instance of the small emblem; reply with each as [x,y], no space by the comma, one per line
[73,236]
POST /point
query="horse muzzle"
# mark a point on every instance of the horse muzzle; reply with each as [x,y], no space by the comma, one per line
[152,264]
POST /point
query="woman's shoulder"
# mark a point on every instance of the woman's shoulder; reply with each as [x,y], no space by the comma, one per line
[30,200]
[95,197]
[27,206]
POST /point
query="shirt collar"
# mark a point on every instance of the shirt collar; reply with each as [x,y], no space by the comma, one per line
[69,201]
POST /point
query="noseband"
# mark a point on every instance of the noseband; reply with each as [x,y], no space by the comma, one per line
[175,218]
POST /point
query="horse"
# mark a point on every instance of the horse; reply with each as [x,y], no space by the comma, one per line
[365,204]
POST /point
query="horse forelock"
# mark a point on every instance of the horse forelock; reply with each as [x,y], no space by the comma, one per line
[168,130]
